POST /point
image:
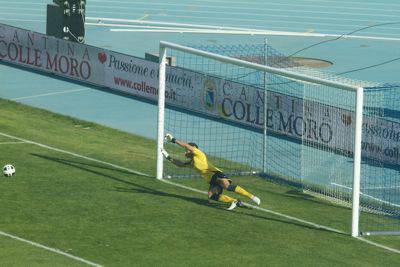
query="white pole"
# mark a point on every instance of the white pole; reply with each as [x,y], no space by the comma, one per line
[161,108]
[264,165]
[357,163]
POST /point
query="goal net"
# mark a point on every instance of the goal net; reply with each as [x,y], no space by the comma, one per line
[254,111]
[380,177]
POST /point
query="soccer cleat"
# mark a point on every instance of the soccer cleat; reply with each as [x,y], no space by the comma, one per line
[234,204]
[256,200]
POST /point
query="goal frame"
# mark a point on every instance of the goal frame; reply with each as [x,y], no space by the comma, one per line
[358,94]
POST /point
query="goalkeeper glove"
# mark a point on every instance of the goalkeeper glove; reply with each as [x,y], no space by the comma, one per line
[170,138]
[165,154]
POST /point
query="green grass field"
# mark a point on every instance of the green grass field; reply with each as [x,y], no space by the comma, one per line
[114,217]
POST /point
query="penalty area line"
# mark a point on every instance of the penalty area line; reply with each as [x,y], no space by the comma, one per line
[195,190]
[57,251]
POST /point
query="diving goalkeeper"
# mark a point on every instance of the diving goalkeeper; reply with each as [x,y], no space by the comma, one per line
[212,175]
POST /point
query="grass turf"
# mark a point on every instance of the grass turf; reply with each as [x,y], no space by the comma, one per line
[116,218]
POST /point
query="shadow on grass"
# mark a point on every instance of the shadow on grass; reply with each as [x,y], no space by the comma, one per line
[137,188]
[145,190]
[107,167]
[92,164]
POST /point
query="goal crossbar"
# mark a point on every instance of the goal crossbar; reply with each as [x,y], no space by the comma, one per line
[255,66]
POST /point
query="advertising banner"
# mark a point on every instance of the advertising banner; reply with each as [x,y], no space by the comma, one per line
[51,55]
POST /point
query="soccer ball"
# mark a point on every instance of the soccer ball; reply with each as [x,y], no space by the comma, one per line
[8,170]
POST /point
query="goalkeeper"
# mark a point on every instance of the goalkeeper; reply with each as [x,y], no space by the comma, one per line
[212,175]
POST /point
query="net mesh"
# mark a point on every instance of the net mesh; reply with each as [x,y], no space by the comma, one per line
[229,145]
[310,129]
[380,178]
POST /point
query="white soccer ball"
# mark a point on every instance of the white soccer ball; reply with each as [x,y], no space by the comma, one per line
[8,170]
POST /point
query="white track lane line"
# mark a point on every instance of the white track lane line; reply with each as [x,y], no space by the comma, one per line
[22,20]
[256,6]
[98,21]
[172,30]
[50,94]
[198,191]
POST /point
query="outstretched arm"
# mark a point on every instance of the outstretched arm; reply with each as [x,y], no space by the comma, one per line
[180,143]
[176,162]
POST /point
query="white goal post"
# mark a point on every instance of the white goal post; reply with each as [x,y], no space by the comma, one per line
[358,93]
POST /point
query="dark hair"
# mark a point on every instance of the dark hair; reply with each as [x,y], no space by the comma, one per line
[193,144]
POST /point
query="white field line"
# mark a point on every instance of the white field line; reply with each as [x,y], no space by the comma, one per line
[50,94]
[193,189]
[368,196]
[11,143]
[378,245]
[57,251]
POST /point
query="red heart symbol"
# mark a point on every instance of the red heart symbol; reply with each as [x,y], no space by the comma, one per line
[102,57]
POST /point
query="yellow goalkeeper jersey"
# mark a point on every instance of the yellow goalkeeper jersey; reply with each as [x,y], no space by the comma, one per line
[201,164]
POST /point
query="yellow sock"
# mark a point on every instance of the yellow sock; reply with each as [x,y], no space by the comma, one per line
[242,192]
[226,199]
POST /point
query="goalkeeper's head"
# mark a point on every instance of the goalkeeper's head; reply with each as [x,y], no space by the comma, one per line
[188,153]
